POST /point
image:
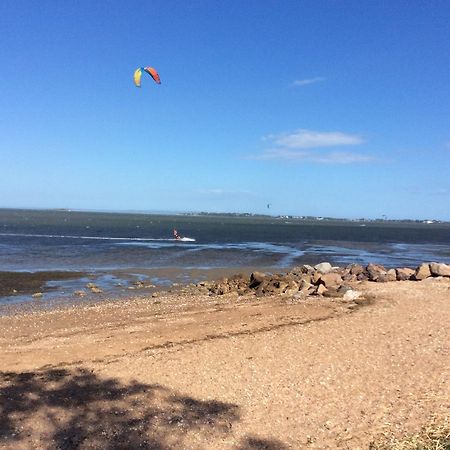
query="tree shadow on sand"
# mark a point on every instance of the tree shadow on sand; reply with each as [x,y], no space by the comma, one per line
[76,409]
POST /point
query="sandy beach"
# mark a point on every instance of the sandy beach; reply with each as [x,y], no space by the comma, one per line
[200,372]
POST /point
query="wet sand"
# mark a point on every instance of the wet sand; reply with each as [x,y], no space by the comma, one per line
[184,371]
[21,283]
[17,288]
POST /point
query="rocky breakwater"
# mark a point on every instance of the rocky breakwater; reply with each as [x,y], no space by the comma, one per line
[322,279]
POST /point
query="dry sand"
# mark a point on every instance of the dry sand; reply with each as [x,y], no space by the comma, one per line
[199,372]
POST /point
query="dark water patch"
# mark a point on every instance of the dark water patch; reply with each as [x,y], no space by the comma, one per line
[21,283]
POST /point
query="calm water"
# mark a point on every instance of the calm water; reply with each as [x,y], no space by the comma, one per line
[66,240]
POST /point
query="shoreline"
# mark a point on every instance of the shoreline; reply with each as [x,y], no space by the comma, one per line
[121,285]
[49,288]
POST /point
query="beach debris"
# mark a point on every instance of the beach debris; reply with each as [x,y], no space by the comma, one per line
[38,295]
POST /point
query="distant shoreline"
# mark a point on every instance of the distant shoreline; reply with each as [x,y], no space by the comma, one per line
[296,217]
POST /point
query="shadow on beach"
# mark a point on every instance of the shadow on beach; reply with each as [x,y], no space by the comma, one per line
[76,409]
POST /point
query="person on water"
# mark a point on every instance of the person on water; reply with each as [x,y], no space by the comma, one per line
[176,235]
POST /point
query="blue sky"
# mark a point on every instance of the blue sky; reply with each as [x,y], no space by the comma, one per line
[329,108]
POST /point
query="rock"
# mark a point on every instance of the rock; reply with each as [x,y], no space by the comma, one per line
[279,285]
[256,278]
[305,286]
[221,288]
[349,277]
[352,295]
[344,288]
[306,268]
[315,277]
[299,296]
[96,290]
[38,295]
[330,280]
[292,288]
[320,290]
[404,273]
[79,293]
[300,279]
[363,276]
[391,275]
[91,285]
[422,272]
[355,269]
[332,292]
[324,267]
[374,272]
[440,270]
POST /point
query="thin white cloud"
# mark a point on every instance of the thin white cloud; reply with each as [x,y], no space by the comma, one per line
[313,139]
[223,192]
[442,191]
[429,190]
[311,146]
[307,81]
[313,157]
[341,158]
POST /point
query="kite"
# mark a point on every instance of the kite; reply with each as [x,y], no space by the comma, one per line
[150,70]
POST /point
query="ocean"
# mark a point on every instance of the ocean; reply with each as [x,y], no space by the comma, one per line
[62,240]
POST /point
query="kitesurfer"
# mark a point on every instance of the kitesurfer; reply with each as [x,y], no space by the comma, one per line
[176,235]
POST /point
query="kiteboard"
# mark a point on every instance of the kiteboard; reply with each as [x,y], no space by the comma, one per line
[186,239]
